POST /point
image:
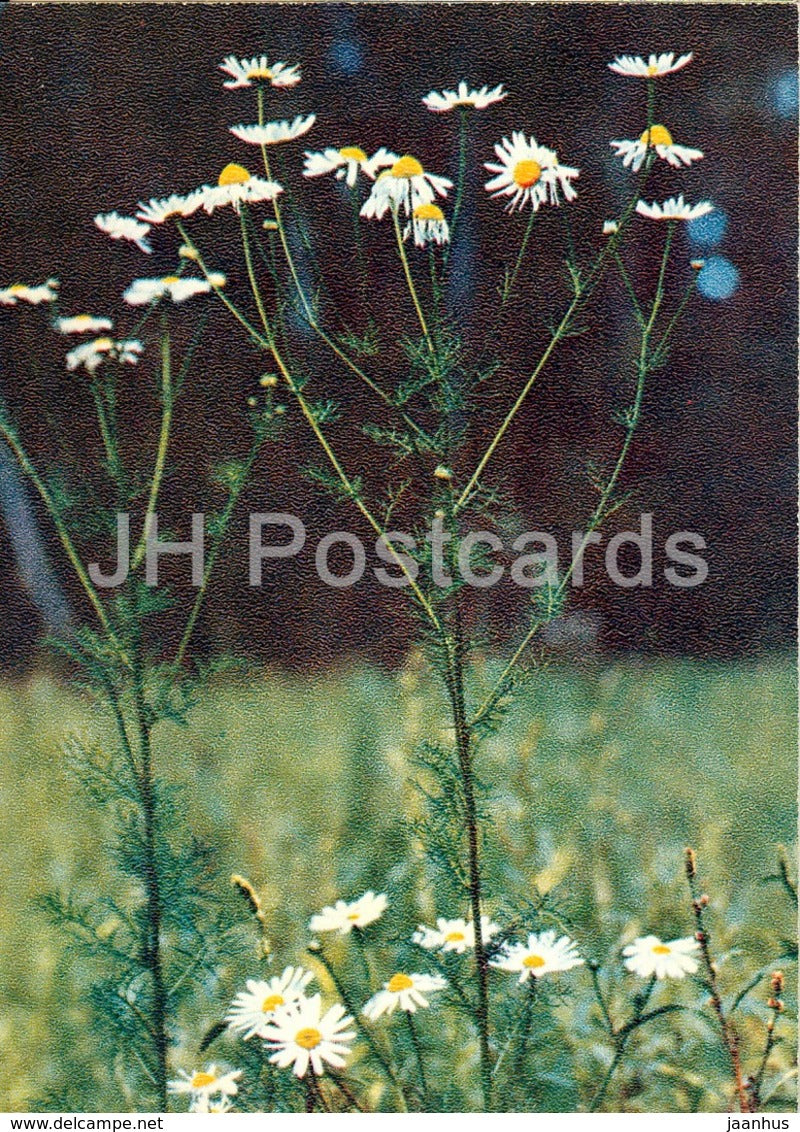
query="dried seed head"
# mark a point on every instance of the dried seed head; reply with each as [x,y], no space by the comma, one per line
[691,863]
[249,893]
[775,1004]
[776,982]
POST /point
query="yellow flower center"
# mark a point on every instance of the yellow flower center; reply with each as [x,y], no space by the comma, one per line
[202,1080]
[233,174]
[82,319]
[428,212]
[308,1037]
[353,153]
[354,916]
[17,289]
[652,70]
[168,280]
[454,937]
[399,983]
[406,167]
[103,344]
[658,135]
[661,949]
[533,961]
[271,1001]
[527,173]
[259,73]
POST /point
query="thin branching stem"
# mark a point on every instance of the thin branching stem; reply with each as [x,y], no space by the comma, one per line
[151,950]
[307,307]
[643,365]
[583,288]
[26,464]
[167,403]
[412,290]
[728,1031]
[349,487]
[620,1038]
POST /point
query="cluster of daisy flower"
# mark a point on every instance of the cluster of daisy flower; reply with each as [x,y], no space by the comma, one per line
[525,174]
[656,138]
[298,1032]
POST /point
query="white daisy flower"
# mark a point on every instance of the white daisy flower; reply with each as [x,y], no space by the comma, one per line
[247,72]
[610,227]
[204,1105]
[529,173]
[206,1083]
[21,293]
[271,133]
[124,228]
[305,1036]
[542,955]
[656,65]
[404,991]
[91,354]
[159,210]
[235,186]
[676,208]
[441,101]
[82,324]
[648,956]
[176,287]
[347,163]
[453,935]
[428,225]
[656,138]
[405,184]
[253,1008]
[343,917]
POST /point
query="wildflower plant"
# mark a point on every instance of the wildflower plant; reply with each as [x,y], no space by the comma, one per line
[350,1024]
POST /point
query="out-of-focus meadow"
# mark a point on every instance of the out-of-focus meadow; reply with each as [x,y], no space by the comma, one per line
[600,779]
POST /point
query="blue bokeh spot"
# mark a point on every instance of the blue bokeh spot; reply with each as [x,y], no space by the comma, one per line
[784,95]
[718,279]
[708,230]
[346,56]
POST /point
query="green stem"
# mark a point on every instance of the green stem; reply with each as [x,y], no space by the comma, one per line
[420,1063]
[401,248]
[582,292]
[151,952]
[213,554]
[626,279]
[344,479]
[112,455]
[508,286]
[25,463]
[455,688]
[643,366]
[621,1038]
[365,1033]
[308,309]
[161,452]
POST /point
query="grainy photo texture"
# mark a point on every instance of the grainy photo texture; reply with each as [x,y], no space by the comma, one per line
[397,551]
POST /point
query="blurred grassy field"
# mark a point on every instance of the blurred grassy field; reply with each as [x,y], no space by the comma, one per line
[598,780]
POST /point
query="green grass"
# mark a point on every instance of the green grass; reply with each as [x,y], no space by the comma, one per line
[598,780]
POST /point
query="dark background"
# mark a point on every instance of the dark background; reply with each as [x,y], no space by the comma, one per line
[104,105]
